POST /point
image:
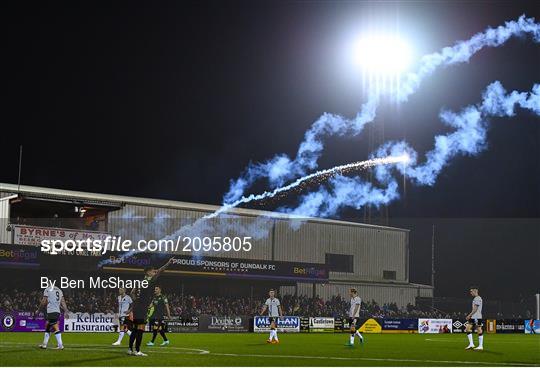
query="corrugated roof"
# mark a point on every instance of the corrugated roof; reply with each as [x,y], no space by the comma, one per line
[120,200]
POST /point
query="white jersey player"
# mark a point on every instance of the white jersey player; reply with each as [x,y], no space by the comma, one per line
[273,306]
[475,321]
[124,308]
[354,316]
[53,298]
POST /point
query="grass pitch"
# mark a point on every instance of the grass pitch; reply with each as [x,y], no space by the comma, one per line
[232,349]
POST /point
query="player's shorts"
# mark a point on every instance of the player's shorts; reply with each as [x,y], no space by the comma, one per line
[354,321]
[158,324]
[475,322]
[272,319]
[139,315]
[138,321]
[125,321]
[52,318]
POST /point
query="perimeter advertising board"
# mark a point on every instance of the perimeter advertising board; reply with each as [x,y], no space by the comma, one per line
[321,324]
[428,325]
[185,324]
[284,324]
[22,321]
[398,325]
[86,322]
[224,324]
[510,326]
[532,326]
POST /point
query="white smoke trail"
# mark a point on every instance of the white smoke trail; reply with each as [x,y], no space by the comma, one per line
[281,168]
[468,138]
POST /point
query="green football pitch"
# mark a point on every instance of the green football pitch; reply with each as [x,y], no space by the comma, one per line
[201,349]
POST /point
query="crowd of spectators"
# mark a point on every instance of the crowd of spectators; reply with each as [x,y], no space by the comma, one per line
[192,305]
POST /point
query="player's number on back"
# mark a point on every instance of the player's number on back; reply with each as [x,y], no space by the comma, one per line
[217,244]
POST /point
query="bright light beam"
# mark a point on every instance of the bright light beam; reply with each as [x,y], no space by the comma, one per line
[382,59]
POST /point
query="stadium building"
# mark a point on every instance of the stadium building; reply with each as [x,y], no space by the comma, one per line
[312,257]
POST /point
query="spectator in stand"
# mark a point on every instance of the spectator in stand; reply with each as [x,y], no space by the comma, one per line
[193,305]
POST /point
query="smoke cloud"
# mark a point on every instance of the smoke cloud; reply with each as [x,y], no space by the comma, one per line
[282,168]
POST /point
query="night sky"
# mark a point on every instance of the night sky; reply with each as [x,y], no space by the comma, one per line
[173,99]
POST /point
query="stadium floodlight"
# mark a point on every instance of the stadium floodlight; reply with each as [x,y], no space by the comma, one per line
[382,54]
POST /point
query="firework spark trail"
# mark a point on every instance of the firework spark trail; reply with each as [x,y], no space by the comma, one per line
[323,174]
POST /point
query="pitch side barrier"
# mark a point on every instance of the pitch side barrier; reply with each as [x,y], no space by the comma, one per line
[26,321]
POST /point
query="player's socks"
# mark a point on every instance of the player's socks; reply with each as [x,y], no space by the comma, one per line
[58,336]
[46,338]
[154,335]
[120,336]
[480,341]
[132,338]
[360,336]
[138,340]
[471,343]
[271,335]
[275,335]
[162,333]
[351,340]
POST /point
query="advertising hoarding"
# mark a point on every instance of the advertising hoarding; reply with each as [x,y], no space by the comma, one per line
[224,324]
[399,325]
[94,322]
[321,324]
[184,324]
[428,325]
[284,324]
[23,321]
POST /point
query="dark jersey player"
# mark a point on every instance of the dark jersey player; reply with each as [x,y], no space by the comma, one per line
[160,306]
[141,301]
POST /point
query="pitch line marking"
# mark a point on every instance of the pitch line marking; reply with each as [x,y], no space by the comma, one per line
[114,349]
[490,342]
[207,352]
[376,359]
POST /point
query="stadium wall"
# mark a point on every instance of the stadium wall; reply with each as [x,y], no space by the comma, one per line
[5,236]
[372,249]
